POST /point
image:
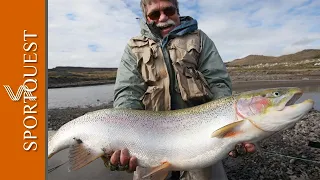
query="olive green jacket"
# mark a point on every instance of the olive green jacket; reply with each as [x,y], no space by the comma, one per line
[130,86]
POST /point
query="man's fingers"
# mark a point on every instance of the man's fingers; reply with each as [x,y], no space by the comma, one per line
[132,164]
[233,154]
[250,147]
[120,161]
[115,158]
[242,149]
[124,157]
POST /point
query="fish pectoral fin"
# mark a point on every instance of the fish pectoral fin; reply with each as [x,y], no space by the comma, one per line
[157,173]
[81,154]
[229,130]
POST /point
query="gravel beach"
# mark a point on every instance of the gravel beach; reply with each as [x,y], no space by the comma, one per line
[263,164]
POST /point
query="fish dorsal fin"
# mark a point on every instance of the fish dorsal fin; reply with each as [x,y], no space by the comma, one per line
[157,173]
[229,130]
[81,154]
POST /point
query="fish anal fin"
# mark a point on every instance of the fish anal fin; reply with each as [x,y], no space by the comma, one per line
[81,154]
[157,173]
[229,130]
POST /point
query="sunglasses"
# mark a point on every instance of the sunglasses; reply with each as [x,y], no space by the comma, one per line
[168,11]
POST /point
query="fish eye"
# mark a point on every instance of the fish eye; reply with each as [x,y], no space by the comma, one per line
[276,93]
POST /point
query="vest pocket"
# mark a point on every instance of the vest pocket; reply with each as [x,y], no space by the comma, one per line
[191,82]
[146,63]
[153,98]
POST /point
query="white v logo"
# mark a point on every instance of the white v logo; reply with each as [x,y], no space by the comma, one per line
[17,96]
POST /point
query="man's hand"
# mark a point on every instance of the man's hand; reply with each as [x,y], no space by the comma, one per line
[120,161]
[242,149]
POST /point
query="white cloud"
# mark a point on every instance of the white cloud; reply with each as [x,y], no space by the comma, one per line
[238,28]
[107,24]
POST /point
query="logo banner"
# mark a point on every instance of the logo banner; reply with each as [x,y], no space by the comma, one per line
[23,89]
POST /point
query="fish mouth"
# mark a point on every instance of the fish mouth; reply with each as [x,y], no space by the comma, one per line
[296,111]
[296,96]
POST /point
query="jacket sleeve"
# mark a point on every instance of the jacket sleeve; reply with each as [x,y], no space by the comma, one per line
[129,85]
[213,69]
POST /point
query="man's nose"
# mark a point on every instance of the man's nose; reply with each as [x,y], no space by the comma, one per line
[163,17]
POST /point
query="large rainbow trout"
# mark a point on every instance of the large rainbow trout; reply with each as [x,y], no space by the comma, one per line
[180,140]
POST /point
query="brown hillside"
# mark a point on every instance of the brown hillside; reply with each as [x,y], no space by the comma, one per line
[79,69]
[250,60]
[257,59]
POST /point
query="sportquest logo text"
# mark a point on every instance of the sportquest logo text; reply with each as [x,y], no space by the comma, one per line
[26,91]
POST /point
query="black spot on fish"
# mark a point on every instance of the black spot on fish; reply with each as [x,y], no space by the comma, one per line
[78,140]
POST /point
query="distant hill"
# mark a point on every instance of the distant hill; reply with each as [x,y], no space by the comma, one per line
[80,69]
[69,76]
[257,59]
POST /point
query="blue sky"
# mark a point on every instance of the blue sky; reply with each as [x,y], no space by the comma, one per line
[93,33]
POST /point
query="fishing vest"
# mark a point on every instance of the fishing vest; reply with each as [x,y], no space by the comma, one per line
[184,54]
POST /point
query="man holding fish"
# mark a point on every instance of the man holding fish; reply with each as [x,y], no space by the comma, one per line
[171,65]
[174,116]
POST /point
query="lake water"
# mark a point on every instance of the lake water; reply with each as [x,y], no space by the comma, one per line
[80,96]
[97,95]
